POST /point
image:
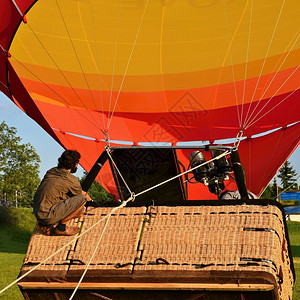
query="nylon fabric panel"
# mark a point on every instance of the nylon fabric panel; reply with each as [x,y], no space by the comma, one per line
[168,127]
[263,156]
[210,97]
[178,36]
[176,81]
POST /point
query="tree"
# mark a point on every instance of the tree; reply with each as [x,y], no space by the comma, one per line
[287,175]
[267,192]
[97,192]
[271,191]
[275,188]
[19,167]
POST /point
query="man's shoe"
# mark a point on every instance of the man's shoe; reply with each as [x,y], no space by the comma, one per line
[69,231]
[47,229]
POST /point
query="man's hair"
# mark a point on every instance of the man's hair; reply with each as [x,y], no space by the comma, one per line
[68,159]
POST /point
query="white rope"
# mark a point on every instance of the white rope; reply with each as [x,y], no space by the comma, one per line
[115,59]
[261,70]
[77,58]
[92,55]
[63,76]
[108,153]
[4,85]
[251,122]
[232,68]
[254,121]
[131,199]
[123,204]
[296,180]
[58,95]
[66,245]
[5,51]
[273,78]
[18,9]
[183,173]
[96,248]
[247,59]
[264,189]
[129,60]
[91,258]
[95,124]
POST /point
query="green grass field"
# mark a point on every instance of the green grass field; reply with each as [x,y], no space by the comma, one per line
[15,231]
[17,225]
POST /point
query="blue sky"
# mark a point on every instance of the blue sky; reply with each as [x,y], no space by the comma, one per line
[30,132]
[48,149]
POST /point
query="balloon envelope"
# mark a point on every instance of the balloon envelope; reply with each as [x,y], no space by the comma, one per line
[158,71]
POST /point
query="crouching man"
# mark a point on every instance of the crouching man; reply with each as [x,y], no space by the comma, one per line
[59,198]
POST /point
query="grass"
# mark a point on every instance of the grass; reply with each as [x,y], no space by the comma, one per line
[294,234]
[15,232]
[18,223]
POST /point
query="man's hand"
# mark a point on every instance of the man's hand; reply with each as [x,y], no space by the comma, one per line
[88,198]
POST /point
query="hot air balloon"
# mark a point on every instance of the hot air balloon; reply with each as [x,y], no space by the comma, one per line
[160,74]
[157,71]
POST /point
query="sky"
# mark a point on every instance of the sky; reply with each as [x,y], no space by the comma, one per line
[46,147]
[30,132]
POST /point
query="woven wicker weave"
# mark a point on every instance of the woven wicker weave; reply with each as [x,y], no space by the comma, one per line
[184,243]
[223,238]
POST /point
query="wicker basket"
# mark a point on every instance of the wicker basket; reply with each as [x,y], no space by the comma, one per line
[216,250]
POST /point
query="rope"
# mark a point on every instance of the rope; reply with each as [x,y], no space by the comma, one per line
[108,153]
[66,245]
[106,139]
[287,187]
[92,56]
[163,81]
[115,59]
[55,92]
[97,61]
[4,85]
[277,71]
[76,54]
[232,68]
[247,59]
[18,9]
[62,74]
[261,70]
[254,121]
[183,173]
[6,52]
[96,248]
[131,198]
[123,204]
[226,55]
[269,164]
[129,60]
[250,122]
[89,262]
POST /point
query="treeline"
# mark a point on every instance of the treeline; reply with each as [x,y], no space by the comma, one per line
[287,177]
